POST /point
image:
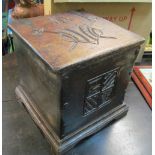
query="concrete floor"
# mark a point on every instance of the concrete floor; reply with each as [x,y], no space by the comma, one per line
[131,135]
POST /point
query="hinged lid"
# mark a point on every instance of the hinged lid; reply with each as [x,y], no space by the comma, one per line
[67,39]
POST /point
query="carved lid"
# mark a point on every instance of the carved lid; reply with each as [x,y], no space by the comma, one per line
[67,39]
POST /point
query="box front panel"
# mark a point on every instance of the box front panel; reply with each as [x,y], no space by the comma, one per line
[93,89]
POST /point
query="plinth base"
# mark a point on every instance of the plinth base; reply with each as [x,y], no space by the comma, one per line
[60,146]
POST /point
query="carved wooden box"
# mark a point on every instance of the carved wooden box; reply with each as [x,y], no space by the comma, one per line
[74,70]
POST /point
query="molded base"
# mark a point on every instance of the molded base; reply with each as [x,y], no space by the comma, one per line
[60,146]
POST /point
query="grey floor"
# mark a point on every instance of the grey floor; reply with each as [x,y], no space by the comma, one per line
[131,135]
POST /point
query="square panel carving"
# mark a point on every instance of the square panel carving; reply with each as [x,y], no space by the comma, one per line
[99,91]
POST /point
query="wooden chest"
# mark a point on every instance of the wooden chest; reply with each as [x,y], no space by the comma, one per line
[74,70]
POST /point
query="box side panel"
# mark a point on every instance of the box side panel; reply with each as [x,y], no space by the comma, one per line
[94,88]
[40,84]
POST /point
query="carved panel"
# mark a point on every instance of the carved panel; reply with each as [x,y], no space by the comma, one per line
[100,91]
[83,34]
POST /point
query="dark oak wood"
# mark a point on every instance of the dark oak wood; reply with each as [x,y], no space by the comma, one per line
[74,70]
[21,135]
